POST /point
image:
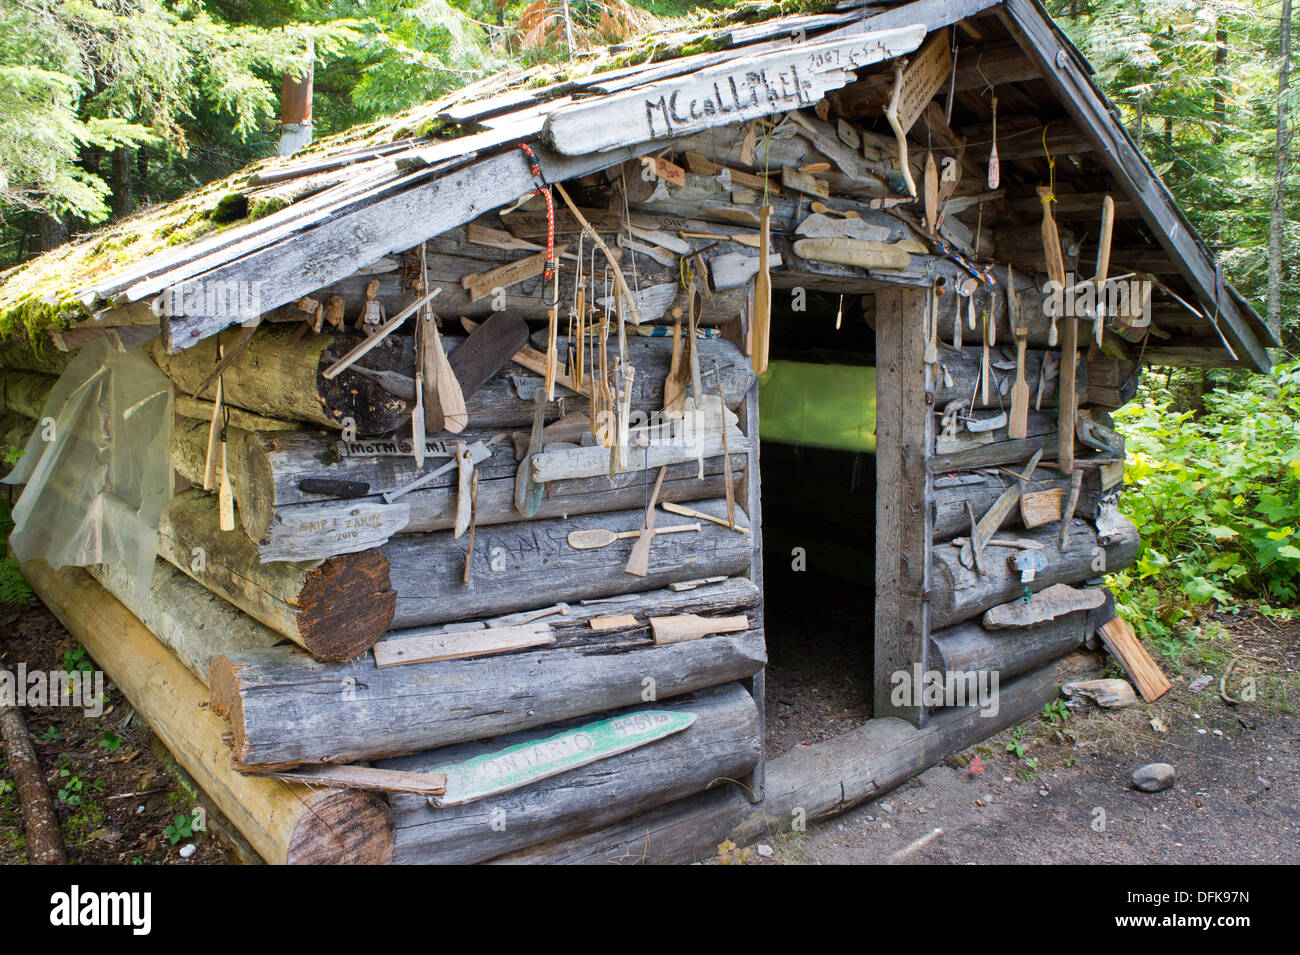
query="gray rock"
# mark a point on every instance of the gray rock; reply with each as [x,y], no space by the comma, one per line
[1154,777]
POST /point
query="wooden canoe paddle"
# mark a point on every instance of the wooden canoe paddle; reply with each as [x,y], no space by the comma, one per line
[1103,266]
[1018,426]
[684,511]
[638,564]
[762,316]
[601,537]
[1052,252]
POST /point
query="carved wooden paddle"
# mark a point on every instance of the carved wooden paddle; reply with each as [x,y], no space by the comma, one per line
[603,537]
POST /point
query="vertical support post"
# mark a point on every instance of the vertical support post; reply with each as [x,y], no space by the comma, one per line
[904,491]
[750,493]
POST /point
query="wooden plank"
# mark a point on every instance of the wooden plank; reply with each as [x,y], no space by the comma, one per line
[366,777]
[428,647]
[526,763]
[904,517]
[1124,645]
[727,93]
[691,626]
[286,271]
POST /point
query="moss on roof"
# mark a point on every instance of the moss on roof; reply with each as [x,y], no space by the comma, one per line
[41,294]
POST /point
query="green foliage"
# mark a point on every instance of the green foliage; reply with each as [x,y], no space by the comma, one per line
[182,827]
[1215,496]
[76,660]
[110,740]
[71,787]
[1055,712]
[13,588]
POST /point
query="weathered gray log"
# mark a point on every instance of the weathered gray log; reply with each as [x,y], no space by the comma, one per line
[958,593]
[1101,381]
[968,449]
[530,564]
[277,379]
[722,743]
[969,648]
[951,492]
[191,621]
[268,470]
[810,782]
[334,610]
[285,708]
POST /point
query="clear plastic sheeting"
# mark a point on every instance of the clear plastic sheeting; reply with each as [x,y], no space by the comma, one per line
[97,468]
[824,406]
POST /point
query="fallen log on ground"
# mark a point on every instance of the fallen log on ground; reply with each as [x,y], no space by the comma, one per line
[334,610]
[809,783]
[958,593]
[286,709]
[530,564]
[722,743]
[286,823]
[44,840]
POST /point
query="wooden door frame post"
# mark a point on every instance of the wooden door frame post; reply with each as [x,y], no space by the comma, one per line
[904,491]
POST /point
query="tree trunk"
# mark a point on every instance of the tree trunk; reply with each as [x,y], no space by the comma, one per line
[121,183]
[1277,212]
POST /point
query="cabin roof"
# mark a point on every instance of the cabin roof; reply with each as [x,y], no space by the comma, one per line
[1045,91]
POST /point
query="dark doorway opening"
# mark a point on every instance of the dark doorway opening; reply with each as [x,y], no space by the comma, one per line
[818,462]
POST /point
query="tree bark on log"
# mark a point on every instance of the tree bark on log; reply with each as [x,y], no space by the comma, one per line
[722,743]
[274,378]
[530,564]
[191,621]
[809,782]
[334,610]
[44,840]
[981,490]
[285,709]
[983,449]
[286,823]
[1101,381]
[968,647]
[958,593]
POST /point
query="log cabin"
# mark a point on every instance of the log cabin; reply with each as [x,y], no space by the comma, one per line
[504,438]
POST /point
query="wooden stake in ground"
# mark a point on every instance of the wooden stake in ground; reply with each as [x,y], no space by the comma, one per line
[1124,645]
[44,841]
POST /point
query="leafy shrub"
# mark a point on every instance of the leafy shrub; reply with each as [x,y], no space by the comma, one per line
[1215,496]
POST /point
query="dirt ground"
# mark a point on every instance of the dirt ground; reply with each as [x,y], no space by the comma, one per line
[1068,798]
[113,797]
